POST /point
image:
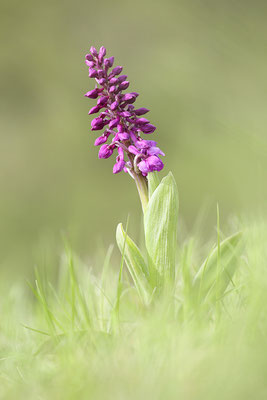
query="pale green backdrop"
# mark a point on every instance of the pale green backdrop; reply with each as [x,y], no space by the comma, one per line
[200,66]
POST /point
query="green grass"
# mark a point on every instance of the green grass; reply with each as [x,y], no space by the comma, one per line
[89,336]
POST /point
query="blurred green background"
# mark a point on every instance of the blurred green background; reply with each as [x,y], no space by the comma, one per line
[199,66]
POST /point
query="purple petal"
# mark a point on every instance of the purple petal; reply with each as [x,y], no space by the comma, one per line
[123,135]
[132,149]
[154,163]
[154,151]
[143,166]
[145,144]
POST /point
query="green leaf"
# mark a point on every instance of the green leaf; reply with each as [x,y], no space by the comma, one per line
[135,264]
[160,222]
[153,182]
[218,269]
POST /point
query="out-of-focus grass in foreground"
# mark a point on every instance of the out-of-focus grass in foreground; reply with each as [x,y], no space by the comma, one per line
[91,346]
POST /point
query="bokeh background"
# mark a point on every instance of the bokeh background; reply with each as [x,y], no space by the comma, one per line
[199,66]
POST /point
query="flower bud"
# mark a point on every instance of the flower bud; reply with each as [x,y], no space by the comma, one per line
[92,94]
[93,51]
[94,110]
[118,166]
[124,85]
[116,70]
[92,73]
[114,122]
[108,62]
[105,151]
[102,101]
[142,121]
[114,105]
[123,135]
[141,111]
[100,140]
[122,78]
[113,81]
[102,53]
[89,63]
[148,128]
[89,57]
[97,124]
[112,89]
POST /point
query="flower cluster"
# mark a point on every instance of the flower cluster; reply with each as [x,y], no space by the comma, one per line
[121,120]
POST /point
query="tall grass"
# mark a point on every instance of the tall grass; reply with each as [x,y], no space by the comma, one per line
[89,335]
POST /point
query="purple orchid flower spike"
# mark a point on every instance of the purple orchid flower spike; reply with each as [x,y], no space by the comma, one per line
[121,121]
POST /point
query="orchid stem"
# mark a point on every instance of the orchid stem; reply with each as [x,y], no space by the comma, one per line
[142,186]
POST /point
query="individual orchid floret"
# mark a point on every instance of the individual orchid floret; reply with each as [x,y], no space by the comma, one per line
[124,123]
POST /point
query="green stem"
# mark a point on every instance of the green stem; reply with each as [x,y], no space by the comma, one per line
[142,186]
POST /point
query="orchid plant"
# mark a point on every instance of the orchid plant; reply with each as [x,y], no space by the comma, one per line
[155,271]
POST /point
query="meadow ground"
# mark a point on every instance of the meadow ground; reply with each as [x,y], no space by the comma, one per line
[94,339]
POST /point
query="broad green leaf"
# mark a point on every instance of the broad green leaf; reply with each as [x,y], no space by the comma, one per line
[216,273]
[153,182]
[135,264]
[160,222]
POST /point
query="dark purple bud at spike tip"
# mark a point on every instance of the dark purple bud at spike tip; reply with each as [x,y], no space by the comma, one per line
[93,51]
[102,53]
[120,118]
